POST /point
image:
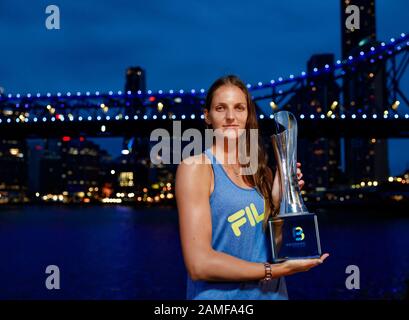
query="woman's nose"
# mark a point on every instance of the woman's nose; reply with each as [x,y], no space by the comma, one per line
[230,114]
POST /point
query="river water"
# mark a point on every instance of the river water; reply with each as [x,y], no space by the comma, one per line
[118,252]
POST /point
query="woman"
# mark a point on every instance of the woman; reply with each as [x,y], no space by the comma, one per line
[223,214]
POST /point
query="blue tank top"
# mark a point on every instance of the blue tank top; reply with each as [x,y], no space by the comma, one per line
[237,229]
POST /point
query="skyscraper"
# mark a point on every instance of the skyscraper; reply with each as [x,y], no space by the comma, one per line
[321,156]
[71,166]
[135,80]
[352,38]
[319,95]
[13,170]
[364,91]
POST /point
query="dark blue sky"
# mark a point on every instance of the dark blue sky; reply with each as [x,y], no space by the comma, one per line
[182,44]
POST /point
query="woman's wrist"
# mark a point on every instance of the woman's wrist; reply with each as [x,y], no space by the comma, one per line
[279,270]
[273,271]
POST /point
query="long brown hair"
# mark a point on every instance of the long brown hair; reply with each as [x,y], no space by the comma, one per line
[262,180]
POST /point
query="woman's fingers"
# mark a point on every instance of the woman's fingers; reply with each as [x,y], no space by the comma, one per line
[312,263]
[321,259]
[324,256]
[299,175]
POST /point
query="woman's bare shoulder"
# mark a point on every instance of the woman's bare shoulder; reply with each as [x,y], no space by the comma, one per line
[194,167]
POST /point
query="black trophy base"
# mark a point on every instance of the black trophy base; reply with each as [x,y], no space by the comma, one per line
[294,236]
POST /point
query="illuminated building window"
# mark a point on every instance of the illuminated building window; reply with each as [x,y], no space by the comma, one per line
[14,151]
[73,151]
[319,152]
[126,179]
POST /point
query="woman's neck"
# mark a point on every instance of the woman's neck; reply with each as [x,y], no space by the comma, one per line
[227,152]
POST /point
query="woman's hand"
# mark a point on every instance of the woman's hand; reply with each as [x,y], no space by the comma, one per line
[276,184]
[299,176]
[302,265]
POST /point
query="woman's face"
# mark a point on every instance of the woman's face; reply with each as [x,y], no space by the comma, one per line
[228,111]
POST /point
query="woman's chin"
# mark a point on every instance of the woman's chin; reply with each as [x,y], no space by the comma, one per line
[230,133]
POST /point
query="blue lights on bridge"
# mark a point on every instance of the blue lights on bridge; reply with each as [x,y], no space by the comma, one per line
[193,116]
[392,47]
[68,104]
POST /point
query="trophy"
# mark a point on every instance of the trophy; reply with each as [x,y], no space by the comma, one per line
[293,231]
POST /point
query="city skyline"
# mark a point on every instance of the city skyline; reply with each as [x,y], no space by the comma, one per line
[72,169]
[96,116]
[97,42]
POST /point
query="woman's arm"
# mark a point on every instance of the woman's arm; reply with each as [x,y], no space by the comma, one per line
[193,183]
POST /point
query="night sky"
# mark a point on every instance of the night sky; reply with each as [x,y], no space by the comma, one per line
[181,44]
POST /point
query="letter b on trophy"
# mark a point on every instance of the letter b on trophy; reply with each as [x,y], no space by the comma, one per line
[293,231]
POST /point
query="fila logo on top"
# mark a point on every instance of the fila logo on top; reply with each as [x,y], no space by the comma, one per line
[241,217]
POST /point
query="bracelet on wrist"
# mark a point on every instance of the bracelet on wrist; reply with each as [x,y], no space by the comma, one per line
[267,272]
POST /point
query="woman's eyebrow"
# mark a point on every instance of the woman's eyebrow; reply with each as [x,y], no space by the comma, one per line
[225,104]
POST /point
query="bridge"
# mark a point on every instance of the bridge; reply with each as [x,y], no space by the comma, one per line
[35,115]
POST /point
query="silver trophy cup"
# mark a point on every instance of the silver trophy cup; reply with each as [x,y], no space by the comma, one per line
[293,231]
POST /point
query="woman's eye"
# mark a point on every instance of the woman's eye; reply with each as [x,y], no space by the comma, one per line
[219,108]
[240,108]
